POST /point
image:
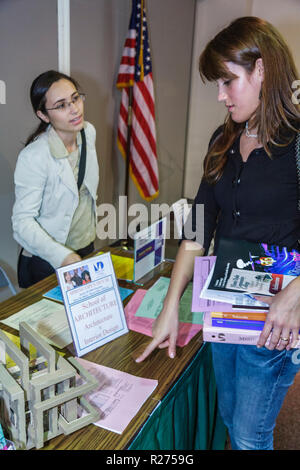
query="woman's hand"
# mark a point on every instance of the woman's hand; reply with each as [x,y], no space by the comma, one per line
[283,320]
[165,328]
[71,258]
[165,332]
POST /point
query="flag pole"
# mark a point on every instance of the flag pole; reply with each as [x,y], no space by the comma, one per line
[127,243]
[136,70]
[129,126]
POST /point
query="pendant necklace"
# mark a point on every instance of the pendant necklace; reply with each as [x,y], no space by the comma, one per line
[248,133]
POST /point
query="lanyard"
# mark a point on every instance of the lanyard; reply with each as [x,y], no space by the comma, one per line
[82,161]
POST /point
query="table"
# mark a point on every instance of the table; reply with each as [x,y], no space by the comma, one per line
[181,413]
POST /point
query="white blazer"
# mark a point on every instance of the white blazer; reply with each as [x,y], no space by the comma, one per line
[46,197]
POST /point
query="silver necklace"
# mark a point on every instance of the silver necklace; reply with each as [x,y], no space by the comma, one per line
[248,133]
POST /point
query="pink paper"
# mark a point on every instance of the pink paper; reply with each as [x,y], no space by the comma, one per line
[118,397]
[144,325]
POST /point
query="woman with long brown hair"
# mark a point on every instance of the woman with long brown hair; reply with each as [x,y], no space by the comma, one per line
[250,192]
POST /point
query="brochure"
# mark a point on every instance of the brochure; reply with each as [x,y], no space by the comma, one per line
[94,308]
[244,268]
[152,303]
[149,248]
[202,267]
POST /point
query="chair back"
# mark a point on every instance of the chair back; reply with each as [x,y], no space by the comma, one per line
[5,281]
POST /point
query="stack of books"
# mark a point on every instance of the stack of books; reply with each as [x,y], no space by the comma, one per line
[234,328]
[240,271]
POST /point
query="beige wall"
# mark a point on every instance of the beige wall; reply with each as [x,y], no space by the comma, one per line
[205,113]
[26,49]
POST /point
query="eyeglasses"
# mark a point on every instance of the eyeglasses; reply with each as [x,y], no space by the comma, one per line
[66,104]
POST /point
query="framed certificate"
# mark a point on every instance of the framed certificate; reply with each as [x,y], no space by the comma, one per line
[92,301]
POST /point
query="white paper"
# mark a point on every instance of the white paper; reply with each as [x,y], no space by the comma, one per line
[46,318]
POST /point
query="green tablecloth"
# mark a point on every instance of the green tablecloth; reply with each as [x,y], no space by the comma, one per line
[187,418]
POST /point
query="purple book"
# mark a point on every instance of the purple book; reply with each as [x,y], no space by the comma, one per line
[241,324]
[202,267]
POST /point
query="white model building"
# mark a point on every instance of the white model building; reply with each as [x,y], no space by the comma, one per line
[41,397]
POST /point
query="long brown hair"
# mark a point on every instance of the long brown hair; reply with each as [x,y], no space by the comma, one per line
[244,41]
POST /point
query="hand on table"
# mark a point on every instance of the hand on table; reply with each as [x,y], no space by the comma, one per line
[165,332]
[283,320]
[165,328]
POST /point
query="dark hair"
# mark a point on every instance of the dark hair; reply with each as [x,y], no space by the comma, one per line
[84,273]
[244,41]
[38,91]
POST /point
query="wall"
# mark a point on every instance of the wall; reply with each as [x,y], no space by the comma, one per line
[25,51]
[205,113]
[28,46]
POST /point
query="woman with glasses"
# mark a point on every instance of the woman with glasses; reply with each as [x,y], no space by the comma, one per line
[250,192]
[56,180]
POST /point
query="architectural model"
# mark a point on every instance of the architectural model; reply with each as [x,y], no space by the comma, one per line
[41,395]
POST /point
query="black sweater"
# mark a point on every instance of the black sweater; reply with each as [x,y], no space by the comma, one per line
[254,200]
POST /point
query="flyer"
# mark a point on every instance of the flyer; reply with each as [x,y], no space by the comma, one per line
[244,269]
[119,395]
[149,248]
[93,303]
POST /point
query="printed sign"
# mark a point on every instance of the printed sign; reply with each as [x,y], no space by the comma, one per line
[149,248]
[92,301]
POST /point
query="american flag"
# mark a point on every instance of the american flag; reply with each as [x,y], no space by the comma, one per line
[136,71]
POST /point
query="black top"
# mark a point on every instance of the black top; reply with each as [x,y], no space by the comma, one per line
[254,200]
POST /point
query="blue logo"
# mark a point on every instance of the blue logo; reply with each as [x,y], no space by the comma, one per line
[98,266]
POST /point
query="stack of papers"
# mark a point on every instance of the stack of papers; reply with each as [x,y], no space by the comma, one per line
[144,325]
[46,318]
[145,306]
[152,304]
